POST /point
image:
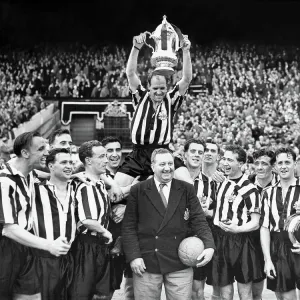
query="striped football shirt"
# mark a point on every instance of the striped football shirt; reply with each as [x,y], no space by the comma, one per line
[53,217]
[150,126]
[93,204]
[205,187]
[236,201]
[15,197]
[275,209]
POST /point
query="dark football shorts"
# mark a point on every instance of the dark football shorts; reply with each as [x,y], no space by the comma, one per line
[236,258]
[55,274]
[138,161]
[18,272]
[286,263]
[91,257]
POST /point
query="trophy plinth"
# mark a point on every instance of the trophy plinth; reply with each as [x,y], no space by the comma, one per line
[164,57]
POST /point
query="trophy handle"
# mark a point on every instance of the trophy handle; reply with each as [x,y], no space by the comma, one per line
[147,32]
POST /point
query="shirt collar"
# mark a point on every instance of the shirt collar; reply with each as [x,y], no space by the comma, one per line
[88,179]
[157,183]
[13,170]
[201,177]
[295,182]
[256,182]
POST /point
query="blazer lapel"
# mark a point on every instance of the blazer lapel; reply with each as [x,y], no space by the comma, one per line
[154,196]
[174,199]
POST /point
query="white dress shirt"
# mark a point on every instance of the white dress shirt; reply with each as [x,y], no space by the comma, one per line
[166,189]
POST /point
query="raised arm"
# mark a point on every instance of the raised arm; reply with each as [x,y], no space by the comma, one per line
[133,79]
[187,66]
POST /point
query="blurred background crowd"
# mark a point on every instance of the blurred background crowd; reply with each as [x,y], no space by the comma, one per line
[246,94]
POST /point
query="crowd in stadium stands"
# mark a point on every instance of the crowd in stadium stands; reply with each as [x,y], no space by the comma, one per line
[243,93]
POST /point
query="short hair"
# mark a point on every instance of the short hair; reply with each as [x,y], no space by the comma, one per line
[24,141]
[214,143]
[56,133]
[264,152]
[287,150]
[242,155]
[152,74]
[111,139]
[86,149]
[160,151]
[195,141]
[52,155]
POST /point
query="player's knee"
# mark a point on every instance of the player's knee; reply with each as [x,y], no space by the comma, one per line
[226,292]
[197,291]
[245,292]
[257,289]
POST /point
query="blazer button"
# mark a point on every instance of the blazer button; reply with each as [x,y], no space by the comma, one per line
[156,250]
[156,237]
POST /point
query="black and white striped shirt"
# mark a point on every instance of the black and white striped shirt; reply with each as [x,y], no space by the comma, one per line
[53,217]
[275,209]
[236,201]
[205,187]
[150,126]
[93,204]
[15,197]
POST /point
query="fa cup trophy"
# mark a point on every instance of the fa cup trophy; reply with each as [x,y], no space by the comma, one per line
[167,40]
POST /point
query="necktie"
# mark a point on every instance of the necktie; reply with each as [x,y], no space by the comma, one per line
[163,198]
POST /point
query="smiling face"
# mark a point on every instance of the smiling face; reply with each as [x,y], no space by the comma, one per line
[62,166]
[232,167]
[158,88]
[114,154]
[194,155]
[163,167]
[263,167]
[285,166]
[38,152]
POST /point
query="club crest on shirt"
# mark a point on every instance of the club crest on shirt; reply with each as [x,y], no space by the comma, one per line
[230,198]
[163,115]
[205,200]
[186,214]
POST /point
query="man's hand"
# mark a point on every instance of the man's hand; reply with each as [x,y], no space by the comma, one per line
[218,177]
[297,246]
[118,212]
[205,257]
[270,269]
[80,176]
[59,247]
[228,226]
[138,266]
[107,235]
[139,40]
[115,193]
[186,43]
[135,180]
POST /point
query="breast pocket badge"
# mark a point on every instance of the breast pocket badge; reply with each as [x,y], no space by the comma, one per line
[186,214]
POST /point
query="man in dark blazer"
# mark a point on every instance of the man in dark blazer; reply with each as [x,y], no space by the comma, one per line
[160,213]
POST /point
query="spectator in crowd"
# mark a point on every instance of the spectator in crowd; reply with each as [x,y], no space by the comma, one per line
[244,93]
